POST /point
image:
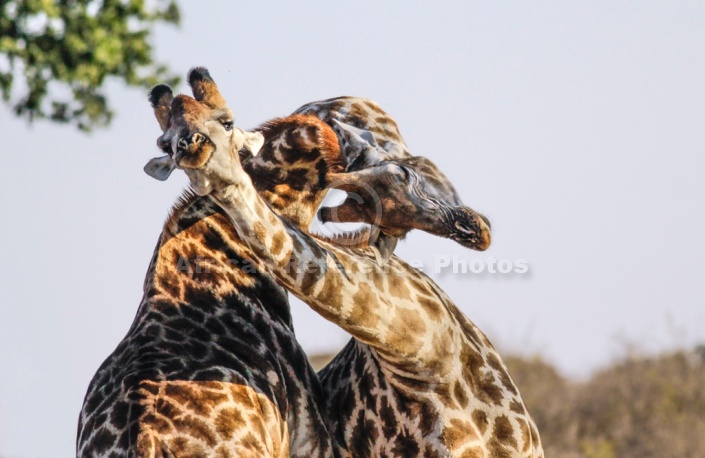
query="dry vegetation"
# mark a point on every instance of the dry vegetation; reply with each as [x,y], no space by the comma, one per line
[640,407]
[646,407]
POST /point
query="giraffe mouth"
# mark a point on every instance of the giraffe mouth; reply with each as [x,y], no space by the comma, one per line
[354,235]
[468,228]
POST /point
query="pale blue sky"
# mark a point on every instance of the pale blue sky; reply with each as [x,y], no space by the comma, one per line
[577,128]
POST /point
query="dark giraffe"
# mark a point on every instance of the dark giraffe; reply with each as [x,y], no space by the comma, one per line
[211,366]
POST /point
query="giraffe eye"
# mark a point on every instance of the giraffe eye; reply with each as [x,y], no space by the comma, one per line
[227,125]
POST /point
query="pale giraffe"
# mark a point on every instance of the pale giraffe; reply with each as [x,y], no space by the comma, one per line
[425,380]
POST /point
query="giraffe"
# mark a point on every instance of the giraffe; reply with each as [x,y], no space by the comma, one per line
[377,157]
[210,365]
[418,378]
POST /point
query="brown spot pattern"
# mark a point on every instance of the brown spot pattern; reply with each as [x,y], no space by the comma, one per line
[361,315]
[473,452]
[479,417]
[277,243]
[398,288]
[460,395]
[406,333]
[458,433]
[228,421]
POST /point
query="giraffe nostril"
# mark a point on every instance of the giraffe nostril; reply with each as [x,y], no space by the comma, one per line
[190,141]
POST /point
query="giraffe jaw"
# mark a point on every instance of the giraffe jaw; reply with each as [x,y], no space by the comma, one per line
[367,236]
[344,234]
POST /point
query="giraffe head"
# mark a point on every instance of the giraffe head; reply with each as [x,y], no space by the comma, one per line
[399,193]
[199,130]
[290,171]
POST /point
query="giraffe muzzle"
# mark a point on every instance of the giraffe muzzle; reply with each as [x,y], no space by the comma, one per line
[469,228]
[193,151]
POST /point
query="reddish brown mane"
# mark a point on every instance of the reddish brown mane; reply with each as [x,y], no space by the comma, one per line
[330,149]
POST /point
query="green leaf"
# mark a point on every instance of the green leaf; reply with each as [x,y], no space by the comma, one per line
[62,43]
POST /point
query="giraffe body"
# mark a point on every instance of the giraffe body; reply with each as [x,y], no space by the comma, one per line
[419,377]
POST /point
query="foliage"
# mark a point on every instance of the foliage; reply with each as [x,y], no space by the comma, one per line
[58,54]
[639,407]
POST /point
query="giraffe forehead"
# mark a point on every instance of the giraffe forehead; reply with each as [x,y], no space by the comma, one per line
[189,115]
[188,108]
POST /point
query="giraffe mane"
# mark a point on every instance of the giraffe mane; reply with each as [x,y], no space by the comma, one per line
[187,197]
[358,239]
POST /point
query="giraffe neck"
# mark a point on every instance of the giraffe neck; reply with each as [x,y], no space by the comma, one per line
[347,286]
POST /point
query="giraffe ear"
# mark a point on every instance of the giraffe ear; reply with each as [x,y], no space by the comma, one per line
[356,134]
[160,168]
[253,141]
[359,146]
[204,88]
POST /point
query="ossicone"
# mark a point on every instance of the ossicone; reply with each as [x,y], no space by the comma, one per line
[198,74]
[204,88]
[160,95]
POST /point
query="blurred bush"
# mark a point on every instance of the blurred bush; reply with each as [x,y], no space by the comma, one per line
[638,407]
